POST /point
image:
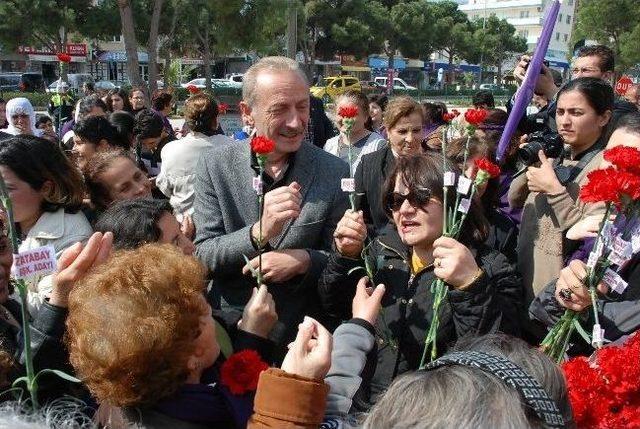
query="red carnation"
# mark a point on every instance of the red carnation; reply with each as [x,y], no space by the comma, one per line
[448,117]
[601,187]
[262,145]
[348,111]
[241,371]
[222,108]
[628,184]
[485,165]
[193,89]
[624,158]
[63,57]
[475,116]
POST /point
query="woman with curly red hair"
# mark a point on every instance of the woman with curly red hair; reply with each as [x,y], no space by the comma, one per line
[142,338]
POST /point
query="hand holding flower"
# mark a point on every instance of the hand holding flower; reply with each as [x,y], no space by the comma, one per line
[367,301]
[572,278]
[310,354]
[453,262]
[280,265]
[350,234]
[280,205]
[259,315]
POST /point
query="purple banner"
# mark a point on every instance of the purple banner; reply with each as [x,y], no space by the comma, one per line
[525,92]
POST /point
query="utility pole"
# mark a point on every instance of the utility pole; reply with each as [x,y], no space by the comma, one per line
[292,30]
[484,25]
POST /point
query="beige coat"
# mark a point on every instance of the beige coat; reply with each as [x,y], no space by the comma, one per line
[545,220]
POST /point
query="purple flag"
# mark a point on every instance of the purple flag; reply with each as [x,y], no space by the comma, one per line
[525,92]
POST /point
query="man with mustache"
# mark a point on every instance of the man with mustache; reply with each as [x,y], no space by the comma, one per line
[302,205]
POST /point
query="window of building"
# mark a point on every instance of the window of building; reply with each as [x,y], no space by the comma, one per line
[558,36]
[568,19]
[570,3]
[524,14]
[566,37]
[559,17]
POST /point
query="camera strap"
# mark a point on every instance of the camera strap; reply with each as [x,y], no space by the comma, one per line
[567,174]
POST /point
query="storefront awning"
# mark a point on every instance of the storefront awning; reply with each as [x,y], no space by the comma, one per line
[121,56]
[383,63]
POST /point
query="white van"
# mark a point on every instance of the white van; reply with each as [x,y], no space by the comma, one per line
[397,83]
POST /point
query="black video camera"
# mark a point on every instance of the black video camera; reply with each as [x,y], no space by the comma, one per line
[550,143]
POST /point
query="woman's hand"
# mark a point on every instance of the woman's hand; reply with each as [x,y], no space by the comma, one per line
[350,234]
[259,314]
[571,291]
[543,179]
[75,263]
[453,262]
[366,302]
[310,354]
[187,227]
[586,228]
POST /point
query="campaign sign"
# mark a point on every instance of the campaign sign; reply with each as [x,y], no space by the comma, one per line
[35,262]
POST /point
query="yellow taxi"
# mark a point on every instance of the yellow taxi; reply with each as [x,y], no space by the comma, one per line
[334,86]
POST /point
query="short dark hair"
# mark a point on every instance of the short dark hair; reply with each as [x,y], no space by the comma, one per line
[380,99]
[148,124]
[607,59]
[629,122]
[89,85]
[483,97]
[426,171]
[37,161]
[200,111]
[86,104]
[134,222]
[160,100]
[433,113]
[97,128]
[42,119]
[124,122]
[598,93]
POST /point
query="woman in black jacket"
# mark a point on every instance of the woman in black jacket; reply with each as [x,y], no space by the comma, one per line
[484,290]
[403,120]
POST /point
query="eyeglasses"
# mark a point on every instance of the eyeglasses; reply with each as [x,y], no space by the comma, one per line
[584,70]
[417,199]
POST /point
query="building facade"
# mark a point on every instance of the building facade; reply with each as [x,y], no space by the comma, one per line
[526,16]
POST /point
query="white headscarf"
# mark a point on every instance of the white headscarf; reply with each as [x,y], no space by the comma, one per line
[21,106]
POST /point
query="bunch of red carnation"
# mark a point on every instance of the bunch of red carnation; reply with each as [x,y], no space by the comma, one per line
[475,116]
[348,111]
[618,184]
[241,371]
[605,391]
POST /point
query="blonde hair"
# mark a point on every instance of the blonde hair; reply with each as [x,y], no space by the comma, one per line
[400,107]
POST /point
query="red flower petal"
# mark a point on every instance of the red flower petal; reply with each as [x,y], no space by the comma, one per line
[348,111]
[475,116]
[193,89]
[262,145]
[63,57]
[601,187]
[240,373]
[484,164]
[624,158]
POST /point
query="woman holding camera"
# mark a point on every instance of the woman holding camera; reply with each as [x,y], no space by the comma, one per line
[549,191]
[484,293]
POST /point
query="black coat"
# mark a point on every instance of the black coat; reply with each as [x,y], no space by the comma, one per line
[491,304]
[373,170]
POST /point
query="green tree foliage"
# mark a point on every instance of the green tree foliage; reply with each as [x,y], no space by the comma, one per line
[497,40]
[613,23]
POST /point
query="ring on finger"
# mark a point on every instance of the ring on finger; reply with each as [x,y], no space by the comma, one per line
[438,263]
[565,294]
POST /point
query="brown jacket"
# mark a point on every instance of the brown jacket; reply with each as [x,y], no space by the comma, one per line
[545,219]
[288,401]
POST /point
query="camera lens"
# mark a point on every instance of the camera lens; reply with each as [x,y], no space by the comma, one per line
[529,154]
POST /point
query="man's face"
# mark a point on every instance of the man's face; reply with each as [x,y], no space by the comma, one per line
[589,67]
[281,109]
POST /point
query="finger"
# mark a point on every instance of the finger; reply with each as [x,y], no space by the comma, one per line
[106,246]
[446,243]
[69,255]
[295,186]
[378,293]
[361,288]
[579,270]
[603,288]
[305,333]
[542,156]
[88,255]
[261,293]
[323,336]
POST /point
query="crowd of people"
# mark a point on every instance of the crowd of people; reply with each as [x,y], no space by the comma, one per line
[158,233]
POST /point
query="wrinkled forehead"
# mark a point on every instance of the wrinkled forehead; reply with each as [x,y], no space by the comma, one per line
[280,86]
[591,61]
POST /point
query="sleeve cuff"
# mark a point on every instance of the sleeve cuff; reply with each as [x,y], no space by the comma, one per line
[290,397]
[363,323]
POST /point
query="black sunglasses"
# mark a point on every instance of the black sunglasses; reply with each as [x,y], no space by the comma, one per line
[417,198]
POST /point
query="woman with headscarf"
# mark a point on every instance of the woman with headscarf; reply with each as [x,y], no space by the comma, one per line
[21,118]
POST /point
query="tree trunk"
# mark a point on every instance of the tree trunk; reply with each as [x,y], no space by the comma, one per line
[449,74]
[206,57]
[130,45]
[153,46]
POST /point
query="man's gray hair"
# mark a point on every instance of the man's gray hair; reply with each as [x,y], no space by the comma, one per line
[267,64]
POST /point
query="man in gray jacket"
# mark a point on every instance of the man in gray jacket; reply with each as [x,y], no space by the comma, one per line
[303,201]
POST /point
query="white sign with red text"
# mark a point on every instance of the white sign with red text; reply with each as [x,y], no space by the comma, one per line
[40,261]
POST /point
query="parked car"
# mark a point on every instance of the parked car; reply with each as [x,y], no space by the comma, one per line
[215,83]
[335,85]
[105,85]
[75,80]
[489,86]
[398,84]
[25,82]
[235,77]
[372,87]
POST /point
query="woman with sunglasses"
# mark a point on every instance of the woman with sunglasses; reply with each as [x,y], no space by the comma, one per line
[484,290]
